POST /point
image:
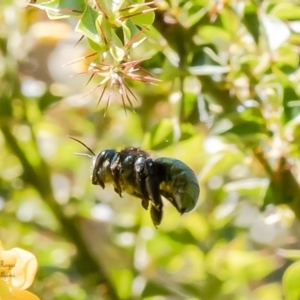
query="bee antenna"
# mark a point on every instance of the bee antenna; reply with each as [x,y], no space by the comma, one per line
[84,145]
[84,154]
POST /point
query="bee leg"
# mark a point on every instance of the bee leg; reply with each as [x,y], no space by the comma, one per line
[140,180]
[152,186]
[156,215]
[118,191]
[143,190]
[142,187]
[101,183]
[145,203]
[115,173]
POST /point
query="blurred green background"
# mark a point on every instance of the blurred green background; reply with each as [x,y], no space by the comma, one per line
[227,105]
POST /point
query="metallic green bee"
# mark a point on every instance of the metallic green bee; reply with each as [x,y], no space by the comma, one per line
[134,172]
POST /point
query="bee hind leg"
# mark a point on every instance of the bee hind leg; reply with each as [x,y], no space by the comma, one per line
[152,186]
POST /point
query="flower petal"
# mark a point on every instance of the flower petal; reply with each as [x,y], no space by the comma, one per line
[22,295]
[5,293]
[1,246]
[7,262]
[24,270]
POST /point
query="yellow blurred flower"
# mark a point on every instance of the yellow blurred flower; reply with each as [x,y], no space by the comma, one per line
[17,272]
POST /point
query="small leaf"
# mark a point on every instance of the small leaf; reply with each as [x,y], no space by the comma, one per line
[87,25]
[160,136]
[107,31]
[117,53]
[219,163]
[286,11]
[166,132]
[209,70]
[254,187]
[246,128]
[107,6]
[290,281]
[130,30]
[153,289]
[292,128]
[58,9]
[124,277]
[251,22]
[143,17]
[169,69]
[47,99]
[287,59]
[126,32]
[214,34]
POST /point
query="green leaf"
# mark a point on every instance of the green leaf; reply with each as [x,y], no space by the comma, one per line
[286,11]
[183,235]
[247,128]
[117,53]
[124,278]
[251,22]
[205,55]
[220,163]
[58,9]
[190,103]
[153,289]
[290,282]
[126,32]
[166,132]
[291,103]
[208,70]
[230,21]
[130,30]
[191,13]
[87,25]
[107,29]
[268,291]
[287,59]
[106,6]
[238,265]
[6,106]
[169,70]
[292,128]
[142,18]
[214,34]
[253,187]
[187,131]
[47,99]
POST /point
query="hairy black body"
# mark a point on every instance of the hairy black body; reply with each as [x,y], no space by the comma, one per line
[134,172]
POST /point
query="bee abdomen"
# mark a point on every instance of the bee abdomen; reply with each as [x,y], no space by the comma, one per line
[179,184]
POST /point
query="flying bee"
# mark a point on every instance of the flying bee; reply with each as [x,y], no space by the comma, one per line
[134,172]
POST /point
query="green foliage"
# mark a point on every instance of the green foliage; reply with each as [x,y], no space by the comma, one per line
[212,83]
[290,279]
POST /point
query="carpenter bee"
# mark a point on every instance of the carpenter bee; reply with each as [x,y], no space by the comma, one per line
[134,172]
